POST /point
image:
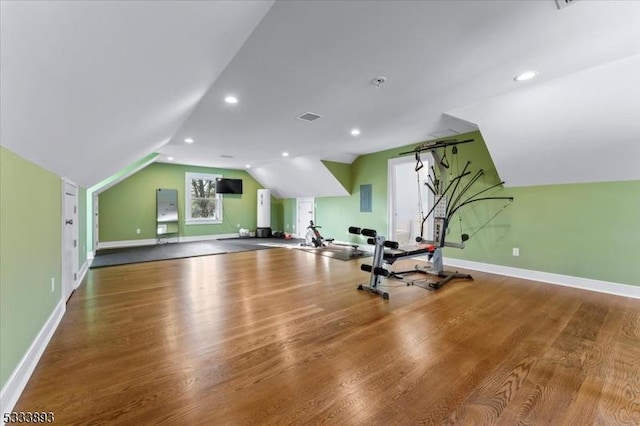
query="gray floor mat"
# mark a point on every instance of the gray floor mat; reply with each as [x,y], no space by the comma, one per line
[340,253]
[128,255]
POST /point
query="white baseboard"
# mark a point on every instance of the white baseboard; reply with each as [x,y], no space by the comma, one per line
[90,256]
[82,272]
[126,243]
[208,237]
[13,388]
[150,242]
[617,289]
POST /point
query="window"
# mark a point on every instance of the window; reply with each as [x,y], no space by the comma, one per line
[202,203]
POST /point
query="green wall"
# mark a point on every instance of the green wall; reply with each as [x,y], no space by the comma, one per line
[336,214]
[30,254]
[289,215]
[131,204]
[341,171]
[97,188]
[277,214]
[583,230]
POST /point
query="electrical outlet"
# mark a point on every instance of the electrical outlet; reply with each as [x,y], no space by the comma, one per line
[53,284]
[516,251]
[137,230]
[238,226]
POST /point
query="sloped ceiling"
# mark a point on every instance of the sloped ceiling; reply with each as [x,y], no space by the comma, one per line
[88,87]
[588,136]
[291,179]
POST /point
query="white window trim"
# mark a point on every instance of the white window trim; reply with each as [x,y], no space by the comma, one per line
[188,177]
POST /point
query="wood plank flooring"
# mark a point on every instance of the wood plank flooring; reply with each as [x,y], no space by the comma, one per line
[283,337]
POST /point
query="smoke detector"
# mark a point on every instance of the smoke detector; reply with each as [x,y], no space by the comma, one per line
[379,81]
[564,3]
[309,116]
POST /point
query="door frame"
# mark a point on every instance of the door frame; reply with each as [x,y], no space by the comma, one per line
[300,228]
[391,195]
[71,282]
[95,222]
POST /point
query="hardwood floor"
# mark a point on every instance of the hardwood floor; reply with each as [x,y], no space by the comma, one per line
[283,337]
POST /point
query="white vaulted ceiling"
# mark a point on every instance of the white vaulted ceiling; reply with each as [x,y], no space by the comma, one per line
[88,87]
[577,128]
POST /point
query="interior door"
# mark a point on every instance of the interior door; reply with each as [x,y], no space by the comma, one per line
[306,213]
[96,227]
[69,240]
[409,199]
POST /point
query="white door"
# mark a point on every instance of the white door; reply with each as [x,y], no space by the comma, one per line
[306,213]
[96,228]
[69,240]
[409,200]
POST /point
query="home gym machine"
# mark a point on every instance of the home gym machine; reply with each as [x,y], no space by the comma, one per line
[450,193]
[387,252]
[443,188]
[313,238]
[375,269]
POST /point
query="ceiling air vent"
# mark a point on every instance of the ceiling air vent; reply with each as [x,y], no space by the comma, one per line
[226,156]
[564,3]
[443,133]
[309,116]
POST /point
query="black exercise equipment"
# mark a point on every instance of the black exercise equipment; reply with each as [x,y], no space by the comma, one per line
[443,211]
[313,237]
[375,269]
[434,255]
[454,188]
[456,192]
[369,232]
[394,252]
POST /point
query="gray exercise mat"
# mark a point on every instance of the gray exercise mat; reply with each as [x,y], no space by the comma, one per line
[337,252]
[128,255]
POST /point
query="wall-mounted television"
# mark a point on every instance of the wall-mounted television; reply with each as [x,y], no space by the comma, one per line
[228,186]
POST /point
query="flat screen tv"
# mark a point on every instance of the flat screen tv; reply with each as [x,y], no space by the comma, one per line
[228,186]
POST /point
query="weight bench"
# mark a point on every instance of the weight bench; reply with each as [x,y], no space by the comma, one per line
[394,253]
[434,254]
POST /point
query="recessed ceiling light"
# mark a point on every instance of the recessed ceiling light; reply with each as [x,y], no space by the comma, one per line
[248,166]
[231,99]
[527,75]
[170,158]
[188,140]
[285,154]
[355,132]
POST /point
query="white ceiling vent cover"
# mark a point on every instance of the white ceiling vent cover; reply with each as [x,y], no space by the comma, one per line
[564,3]
[309,116]
[444,133]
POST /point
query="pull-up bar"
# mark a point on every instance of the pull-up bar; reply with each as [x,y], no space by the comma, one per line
[433,145]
